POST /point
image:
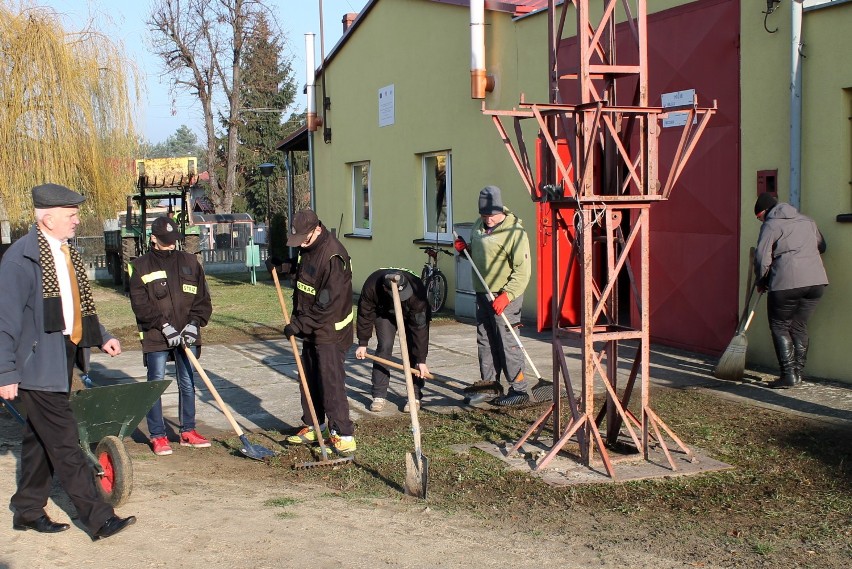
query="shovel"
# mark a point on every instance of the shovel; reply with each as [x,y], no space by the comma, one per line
[416,465]
[256,452]
[325,452]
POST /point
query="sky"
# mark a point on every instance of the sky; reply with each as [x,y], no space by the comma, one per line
[124,22]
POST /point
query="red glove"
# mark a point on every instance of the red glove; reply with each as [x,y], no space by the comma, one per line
[500,303]
[459,244]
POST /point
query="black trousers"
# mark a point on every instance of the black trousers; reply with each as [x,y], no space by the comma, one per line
[789,311]
[51,444]
[385,336]
[326,380]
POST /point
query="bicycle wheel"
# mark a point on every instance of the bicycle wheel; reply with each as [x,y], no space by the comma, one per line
[436,291]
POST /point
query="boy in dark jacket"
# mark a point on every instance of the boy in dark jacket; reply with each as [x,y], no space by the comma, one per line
[376,310]
[169,296]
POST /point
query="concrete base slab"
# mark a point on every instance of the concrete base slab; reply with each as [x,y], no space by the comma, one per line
[566,469]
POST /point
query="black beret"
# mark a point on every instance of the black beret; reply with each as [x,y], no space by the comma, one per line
[47,196]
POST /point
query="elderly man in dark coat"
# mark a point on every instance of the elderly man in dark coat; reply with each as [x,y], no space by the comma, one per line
[47,314]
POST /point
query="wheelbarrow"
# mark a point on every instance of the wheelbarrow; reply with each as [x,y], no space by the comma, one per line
[105,415]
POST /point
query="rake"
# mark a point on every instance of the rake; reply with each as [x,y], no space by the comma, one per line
[325,452]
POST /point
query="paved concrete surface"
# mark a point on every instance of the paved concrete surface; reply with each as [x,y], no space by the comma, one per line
[259,381]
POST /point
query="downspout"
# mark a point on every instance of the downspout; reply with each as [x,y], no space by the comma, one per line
[480,82]
[796,106]
[312,121]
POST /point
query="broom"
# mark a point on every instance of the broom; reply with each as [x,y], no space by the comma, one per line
[731,366]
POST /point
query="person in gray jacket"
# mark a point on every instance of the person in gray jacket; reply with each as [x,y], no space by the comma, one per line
[47,316]
[787,263]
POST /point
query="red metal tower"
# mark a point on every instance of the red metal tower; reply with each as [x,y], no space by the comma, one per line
[598,175]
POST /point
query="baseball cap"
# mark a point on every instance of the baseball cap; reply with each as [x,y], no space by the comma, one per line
[304,222]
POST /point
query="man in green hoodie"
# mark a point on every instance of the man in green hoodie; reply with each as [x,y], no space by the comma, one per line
[500,250]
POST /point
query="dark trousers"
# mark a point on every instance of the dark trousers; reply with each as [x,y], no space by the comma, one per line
[385,336]
[496,347]
[326,380]
[51,444]
[789,310]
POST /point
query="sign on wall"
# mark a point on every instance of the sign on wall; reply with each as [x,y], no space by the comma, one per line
[386,108]
[677,99]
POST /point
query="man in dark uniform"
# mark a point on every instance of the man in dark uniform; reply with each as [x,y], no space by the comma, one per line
[169,296]
[322,317]
[47,315]
[376,310]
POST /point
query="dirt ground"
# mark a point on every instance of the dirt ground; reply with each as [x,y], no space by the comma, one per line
[207,508]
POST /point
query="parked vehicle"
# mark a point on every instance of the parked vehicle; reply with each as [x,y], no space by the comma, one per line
[130,236]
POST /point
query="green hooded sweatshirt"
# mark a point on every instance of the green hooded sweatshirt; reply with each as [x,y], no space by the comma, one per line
[503,257]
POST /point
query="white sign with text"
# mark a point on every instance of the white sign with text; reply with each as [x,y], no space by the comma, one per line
[386,109]
[677,99]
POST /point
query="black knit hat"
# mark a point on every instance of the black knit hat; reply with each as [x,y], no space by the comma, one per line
[765,202]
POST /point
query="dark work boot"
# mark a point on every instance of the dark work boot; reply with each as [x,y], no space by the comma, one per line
[800,356]
[786,361]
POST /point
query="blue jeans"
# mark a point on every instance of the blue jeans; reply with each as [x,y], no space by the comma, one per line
[156,362]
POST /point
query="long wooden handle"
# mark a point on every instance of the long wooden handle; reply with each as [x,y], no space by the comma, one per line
[393,364]
[406,368]
[302,377]
[212,389]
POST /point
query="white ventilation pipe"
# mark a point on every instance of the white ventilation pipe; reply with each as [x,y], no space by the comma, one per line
[796,106]
[312,121]
[479,81]
[310,72]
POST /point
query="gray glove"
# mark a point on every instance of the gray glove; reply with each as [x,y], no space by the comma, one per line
[171,335]
[190,333]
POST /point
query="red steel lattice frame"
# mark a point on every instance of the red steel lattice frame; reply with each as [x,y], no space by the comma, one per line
[599,197]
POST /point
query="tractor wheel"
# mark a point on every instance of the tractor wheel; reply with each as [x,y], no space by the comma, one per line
[128,253]
[117,481]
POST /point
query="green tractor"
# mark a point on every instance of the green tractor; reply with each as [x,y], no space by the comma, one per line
[133,236]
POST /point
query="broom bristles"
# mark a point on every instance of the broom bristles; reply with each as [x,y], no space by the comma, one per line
[731,365]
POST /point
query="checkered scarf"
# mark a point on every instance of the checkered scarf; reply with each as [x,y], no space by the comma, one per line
[54,320]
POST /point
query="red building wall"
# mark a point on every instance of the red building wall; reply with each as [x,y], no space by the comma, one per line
[695,234]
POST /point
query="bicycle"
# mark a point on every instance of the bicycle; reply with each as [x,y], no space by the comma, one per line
[434,279]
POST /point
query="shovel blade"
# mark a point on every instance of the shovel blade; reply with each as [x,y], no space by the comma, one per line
[416,475]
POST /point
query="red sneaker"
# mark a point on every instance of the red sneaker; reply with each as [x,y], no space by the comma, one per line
[193,439]
[161,446]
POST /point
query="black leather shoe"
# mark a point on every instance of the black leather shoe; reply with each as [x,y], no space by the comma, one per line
[112,526]
[41,525]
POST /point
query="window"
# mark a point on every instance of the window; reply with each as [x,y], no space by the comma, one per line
[437,196]
[362,216]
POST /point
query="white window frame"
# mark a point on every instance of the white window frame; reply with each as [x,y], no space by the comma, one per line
[430,233]
[357,198]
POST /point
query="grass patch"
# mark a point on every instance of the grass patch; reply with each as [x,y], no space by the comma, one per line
[787,502]
[282,502]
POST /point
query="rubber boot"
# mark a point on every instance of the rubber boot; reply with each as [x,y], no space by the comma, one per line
[800,356]
[786,361]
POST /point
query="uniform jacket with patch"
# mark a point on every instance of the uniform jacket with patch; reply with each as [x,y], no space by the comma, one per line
[168,287]
[322,298]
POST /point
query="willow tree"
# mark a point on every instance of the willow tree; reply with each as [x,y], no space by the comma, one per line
[65,114]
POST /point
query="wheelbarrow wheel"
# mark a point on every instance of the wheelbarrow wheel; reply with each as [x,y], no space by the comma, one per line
[117,482]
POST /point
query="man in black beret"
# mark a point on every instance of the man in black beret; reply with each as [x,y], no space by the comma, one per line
[47,315]
[787,263]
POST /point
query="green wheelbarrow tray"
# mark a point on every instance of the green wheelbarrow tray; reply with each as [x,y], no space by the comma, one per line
[105,415]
